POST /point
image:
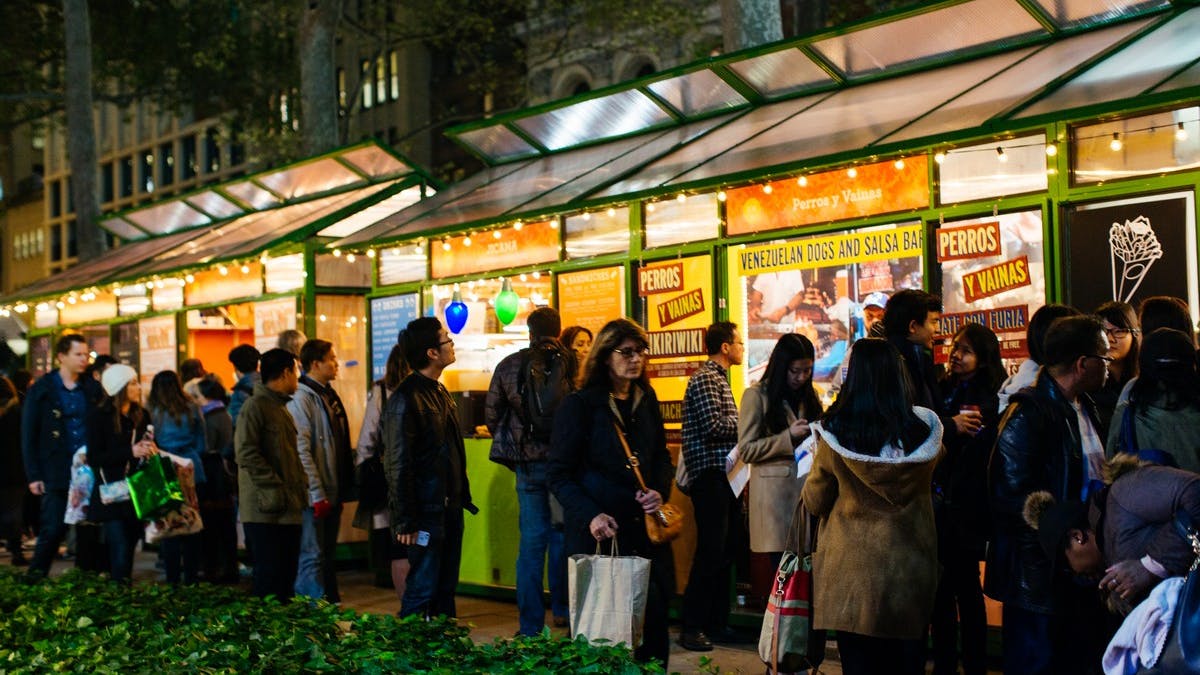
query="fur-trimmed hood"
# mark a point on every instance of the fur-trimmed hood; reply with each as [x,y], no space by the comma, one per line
[888,474]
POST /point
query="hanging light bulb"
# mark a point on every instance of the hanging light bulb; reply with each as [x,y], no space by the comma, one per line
[650,207]
[445,244]
[518,225]
[467,240]
[1181,134]
[586,216]
[245,269]
[496,234]
[852,172]
[456,313]
[337,252]
[189,278]
[1116,143]
[802,181]
[1051,149]
[371,253]
[899,164]
[767,189]
[612,213]
[149,285]
[939,157]
[507,304]
[1000,155]
[721,196]
[681,198]
[223,270]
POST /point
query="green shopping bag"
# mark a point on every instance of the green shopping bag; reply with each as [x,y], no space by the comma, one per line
[155,489]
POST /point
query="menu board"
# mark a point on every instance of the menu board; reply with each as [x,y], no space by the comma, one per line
[591,298]
[125,346]
[1131,249]
[883,187]
[388,317]
[820,286]
[678,305]
[271,318]
[39,355]
[993,274]
[156,348]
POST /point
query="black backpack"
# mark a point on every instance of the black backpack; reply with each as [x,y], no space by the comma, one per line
[542,386]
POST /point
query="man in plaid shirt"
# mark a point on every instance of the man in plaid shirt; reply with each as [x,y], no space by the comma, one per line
[709,432]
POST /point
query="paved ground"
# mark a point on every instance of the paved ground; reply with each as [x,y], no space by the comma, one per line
[491,619]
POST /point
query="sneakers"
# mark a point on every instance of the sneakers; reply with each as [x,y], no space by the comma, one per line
[695,641]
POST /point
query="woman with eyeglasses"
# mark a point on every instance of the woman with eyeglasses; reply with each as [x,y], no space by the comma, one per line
[589,472]
[1124,337]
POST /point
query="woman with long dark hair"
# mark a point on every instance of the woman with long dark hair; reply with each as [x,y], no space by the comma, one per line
[118,443]
[875,569]
[590,474]
[1163,410]
[179,430]
[774,418]
[960,500]
[1124,339]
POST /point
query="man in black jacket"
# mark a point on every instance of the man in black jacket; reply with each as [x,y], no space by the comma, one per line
[53,427]
[426,468]
[1048,440]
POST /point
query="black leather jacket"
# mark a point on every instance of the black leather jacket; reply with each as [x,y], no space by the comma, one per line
[1038,448]
[424,458]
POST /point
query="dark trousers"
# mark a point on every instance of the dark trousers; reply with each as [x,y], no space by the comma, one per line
[51,531]
[91,548]
[1070,643]
[181,557]
[122,535]
[866,655]
[219,544]
[276,556]
[959,606]
[433,573]
[718,532]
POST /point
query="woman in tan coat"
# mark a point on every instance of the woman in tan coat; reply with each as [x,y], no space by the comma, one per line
[875,567]
[772,421]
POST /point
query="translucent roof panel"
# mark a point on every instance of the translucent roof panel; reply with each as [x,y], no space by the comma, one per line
[851,119]
[645,151]
[252,194]
[214,204]
[384,228]
[693,154]
[123,229]
[373,213]
[1187,78]
[1132,70]
[1014,85]
[595,119]
[249,234]
[929,36]
[1072,13]
[167,217]
[699,92]
[782,72]
[375,161]
[498,142]
[310,178]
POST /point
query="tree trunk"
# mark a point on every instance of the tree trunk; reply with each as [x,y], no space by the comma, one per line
[318,79]
[749,23]
[81,132]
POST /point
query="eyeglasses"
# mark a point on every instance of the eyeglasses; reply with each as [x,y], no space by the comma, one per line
[1105,359]
[629,353]
[1121,333]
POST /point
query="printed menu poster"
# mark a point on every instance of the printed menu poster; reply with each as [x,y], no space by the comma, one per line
[993,273]
[388,316]
[591,298]
[271,318]
[156,348]
[40,362]
[831,288]
[125,343]
[1131,249]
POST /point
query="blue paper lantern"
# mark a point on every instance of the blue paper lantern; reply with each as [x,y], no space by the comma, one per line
[456,314]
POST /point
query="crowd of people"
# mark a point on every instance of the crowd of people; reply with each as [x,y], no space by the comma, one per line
[1063,475]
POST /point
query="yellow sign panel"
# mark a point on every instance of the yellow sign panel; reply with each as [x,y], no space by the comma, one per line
[831,251]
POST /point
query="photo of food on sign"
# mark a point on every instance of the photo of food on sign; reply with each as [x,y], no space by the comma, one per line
[993,273]
[830,287]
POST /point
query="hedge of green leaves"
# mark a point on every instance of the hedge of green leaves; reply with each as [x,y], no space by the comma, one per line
[82,623]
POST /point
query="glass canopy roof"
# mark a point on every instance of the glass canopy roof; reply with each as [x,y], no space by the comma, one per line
[358,165]
[935,33]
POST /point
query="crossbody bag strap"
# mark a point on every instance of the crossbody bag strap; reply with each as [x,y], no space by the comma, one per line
[633,461]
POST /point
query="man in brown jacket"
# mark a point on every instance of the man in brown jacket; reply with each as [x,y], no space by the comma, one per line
[271,480]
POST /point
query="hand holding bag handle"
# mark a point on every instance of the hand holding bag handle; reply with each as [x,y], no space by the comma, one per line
[666,522]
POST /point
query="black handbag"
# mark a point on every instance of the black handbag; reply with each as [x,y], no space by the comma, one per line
[1181,653]
[372,483]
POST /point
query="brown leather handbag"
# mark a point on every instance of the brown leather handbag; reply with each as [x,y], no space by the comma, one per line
[664,524]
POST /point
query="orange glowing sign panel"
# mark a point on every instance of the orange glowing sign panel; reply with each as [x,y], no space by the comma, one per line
[532,244]
[996,279]
[883,187]
[980,240]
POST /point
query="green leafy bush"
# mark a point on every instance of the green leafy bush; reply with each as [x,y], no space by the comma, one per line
[82,623]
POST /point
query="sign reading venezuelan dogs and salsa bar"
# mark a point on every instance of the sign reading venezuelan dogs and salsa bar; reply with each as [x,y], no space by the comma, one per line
[883,187]
[532,244]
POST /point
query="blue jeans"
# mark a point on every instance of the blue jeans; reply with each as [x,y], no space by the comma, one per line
[316,576]
[433,568]
[123,535]
[51,531]
[538,535]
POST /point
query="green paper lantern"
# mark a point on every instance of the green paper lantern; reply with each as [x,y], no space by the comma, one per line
[507,303]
